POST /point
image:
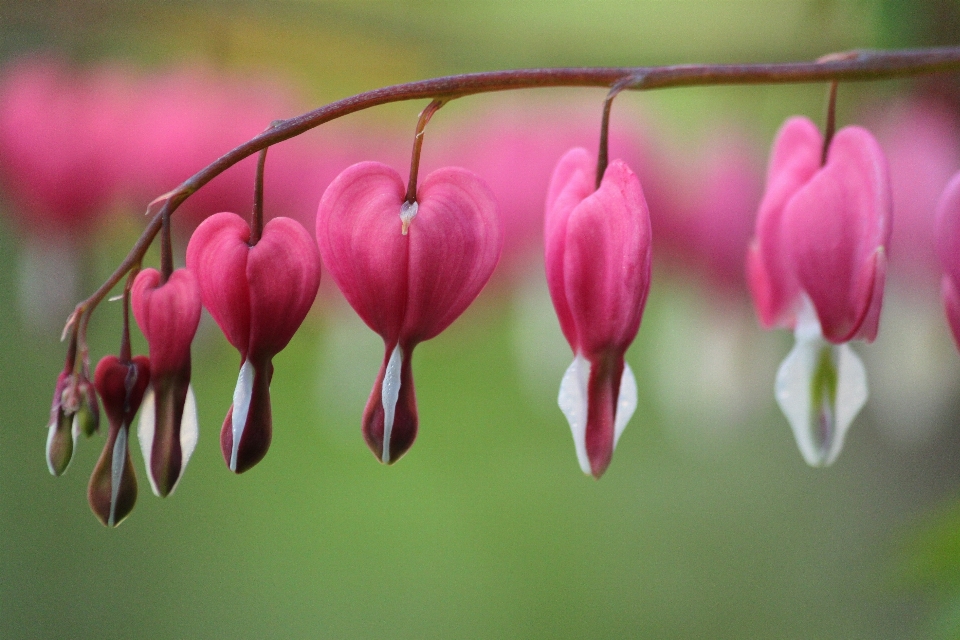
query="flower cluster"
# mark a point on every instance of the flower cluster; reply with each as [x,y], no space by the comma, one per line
[410,259]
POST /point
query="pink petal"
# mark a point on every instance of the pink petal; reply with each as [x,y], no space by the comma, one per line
[948,248]
[606,263]
[951,304]
[794,160]
[410,287]
[168,316]
[358,233]
[948,229]
[283,272]
[832,230]
[572,182]
[455,242]
[598,251]
[217,255]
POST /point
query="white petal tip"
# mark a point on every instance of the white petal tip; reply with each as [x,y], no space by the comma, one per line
[820,388]
[572,400]
[241,407]
[408,211]
[389,394]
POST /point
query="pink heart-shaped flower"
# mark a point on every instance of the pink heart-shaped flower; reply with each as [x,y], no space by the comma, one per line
[598,252]
[259,295]
[406,287]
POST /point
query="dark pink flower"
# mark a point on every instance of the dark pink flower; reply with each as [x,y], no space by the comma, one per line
[259,295]
[598,270]
[168,315]
[407,277]
[113,485]
[948,246]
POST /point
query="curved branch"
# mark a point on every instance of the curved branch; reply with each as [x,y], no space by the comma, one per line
[851,66]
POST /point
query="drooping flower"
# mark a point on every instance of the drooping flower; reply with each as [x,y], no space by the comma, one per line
[407,277]
[259,295]
[168,315]
[948,246]
[598,270]
[113,485]
[817,265]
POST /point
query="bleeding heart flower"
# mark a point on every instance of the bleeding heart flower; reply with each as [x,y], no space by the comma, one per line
[259,295]
[408,278]
[948,246]
[168,315]
[817,265]
[598,270]
[113,486]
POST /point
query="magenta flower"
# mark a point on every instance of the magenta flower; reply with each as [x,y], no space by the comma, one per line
[168,315]
[408,271]
[817,265]
[948,246]
[113,486]
[598,272]
[259,295]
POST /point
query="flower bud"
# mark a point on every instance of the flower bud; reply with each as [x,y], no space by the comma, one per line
[112,491]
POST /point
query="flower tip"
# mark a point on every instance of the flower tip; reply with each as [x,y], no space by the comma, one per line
[61,442]
[248,428]
[390,420]
[408,211]
[167,444]
[820,387]
[596,423]
[112,492]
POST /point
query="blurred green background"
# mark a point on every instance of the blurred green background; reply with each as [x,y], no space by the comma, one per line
[708,523]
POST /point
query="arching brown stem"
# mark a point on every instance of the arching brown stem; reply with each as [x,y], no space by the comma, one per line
[852,66]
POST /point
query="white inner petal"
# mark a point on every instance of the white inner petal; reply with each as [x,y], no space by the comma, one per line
[408,211]
[819,426]
[189,433]
[626,402]
[852,394]
[145,429]
[241,406]
[116,471]
[573,404]
[389,393]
